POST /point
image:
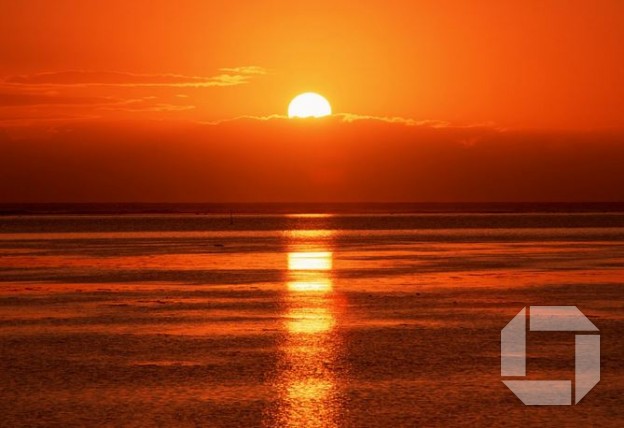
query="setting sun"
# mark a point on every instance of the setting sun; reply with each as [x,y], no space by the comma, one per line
[309,105]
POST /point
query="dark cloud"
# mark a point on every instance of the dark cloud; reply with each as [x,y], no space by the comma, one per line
[309,160]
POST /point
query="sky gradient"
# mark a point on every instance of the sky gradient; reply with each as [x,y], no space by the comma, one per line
[155,101]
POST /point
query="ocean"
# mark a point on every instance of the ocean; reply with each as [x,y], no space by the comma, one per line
[299,315]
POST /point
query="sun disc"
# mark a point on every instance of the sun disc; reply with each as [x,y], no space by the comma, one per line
[309,104]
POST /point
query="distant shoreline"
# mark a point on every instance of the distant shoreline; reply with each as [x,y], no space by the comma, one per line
[26,209]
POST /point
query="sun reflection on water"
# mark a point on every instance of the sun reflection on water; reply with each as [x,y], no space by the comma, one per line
[319,285]
[306,381]
[313,260]
[310,320]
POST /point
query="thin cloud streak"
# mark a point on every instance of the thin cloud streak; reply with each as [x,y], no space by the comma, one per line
[246,70]
[83,78]
[349,118]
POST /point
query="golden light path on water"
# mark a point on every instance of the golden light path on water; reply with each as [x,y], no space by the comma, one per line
[310,261]
[307,377]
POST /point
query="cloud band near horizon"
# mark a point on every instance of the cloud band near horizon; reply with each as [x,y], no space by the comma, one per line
[334,160]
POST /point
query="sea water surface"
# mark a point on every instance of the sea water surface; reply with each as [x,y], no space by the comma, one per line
[299,320]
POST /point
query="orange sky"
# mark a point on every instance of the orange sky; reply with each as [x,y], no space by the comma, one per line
[497,100]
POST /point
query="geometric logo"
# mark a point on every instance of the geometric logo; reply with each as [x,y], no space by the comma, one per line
[550,392]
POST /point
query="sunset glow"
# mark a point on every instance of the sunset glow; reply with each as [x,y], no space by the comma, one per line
[419,102]
[313,214]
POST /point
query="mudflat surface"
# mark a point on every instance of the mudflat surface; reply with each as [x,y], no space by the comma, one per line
[317,321]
